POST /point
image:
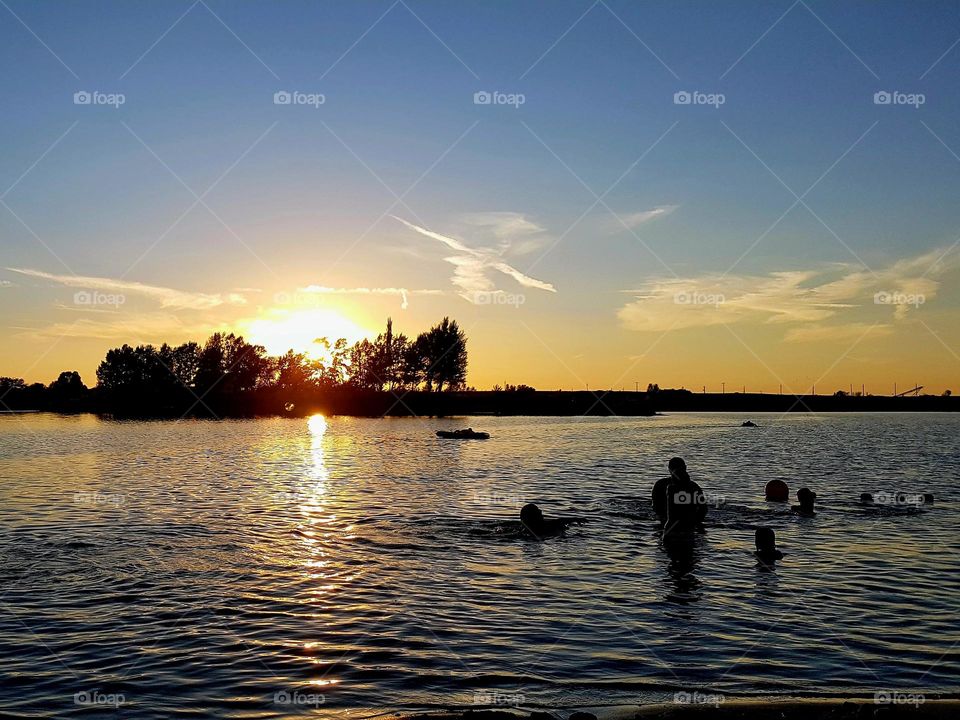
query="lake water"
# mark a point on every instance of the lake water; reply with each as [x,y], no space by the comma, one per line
[267,568]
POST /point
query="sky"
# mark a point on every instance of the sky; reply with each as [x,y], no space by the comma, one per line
[739,195]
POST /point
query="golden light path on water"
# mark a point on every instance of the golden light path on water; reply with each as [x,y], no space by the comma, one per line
[319,528]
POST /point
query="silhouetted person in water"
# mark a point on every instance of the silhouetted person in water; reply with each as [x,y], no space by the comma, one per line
[777,491]
[806,498]
[658,497]
[766,540]
[686,504]
[537,526]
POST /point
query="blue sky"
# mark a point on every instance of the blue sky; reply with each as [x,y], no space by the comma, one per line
[304,195]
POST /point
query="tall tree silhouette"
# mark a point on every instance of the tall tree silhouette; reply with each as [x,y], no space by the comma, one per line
[444,353]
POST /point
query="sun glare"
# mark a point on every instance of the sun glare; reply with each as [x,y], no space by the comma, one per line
[298,330]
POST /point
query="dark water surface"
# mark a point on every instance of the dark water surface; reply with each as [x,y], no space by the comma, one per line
[271,568]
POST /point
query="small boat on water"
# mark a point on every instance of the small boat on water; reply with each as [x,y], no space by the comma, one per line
[468,434]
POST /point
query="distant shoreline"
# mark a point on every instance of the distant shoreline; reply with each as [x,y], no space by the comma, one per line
[551,403]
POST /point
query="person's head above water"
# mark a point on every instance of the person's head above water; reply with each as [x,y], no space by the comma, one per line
[766,542]
[806,497]
[678,468]
[531,516]
[766,539]
[777,491]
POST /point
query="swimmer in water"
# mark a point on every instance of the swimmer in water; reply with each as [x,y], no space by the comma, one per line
[777,491]
[686,503]
[866,499]
[535,525]
[658,498]
[766,541]
[806,498]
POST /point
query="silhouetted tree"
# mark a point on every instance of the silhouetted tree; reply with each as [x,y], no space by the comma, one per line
[413,363]
[444,352]
[295,371]
[183,362]
[9,384]
[364,366]
[333,372]
[68,386]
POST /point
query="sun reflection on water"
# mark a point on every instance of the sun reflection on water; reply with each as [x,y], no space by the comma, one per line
[319,531]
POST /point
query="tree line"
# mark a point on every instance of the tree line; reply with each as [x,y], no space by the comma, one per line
[436,360]
[227,367]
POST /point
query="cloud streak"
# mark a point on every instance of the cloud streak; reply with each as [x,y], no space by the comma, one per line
[167,297]
[812,297]
[634,220]
[133,329]
[472,266]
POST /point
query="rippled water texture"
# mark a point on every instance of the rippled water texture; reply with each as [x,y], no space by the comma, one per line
[263,568]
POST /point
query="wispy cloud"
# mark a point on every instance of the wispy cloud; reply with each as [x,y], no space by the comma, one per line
[134,329]
[511,233]
[167,297]
[634,220]
[472,266]
[813,296]
[403,293]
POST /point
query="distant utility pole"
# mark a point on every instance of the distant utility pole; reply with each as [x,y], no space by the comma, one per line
[704,389]
[636,384]
[781,388]
[723,388]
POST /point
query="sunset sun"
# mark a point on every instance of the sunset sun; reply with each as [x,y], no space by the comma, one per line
[298,330]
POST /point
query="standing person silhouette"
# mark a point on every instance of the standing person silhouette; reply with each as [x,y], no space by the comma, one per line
[686,504]
[658,497]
